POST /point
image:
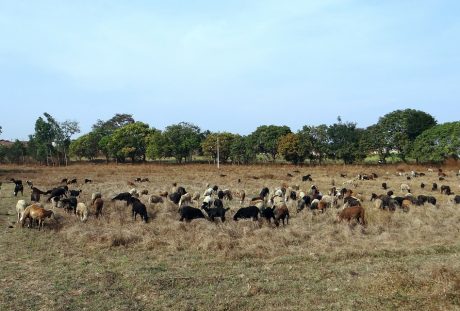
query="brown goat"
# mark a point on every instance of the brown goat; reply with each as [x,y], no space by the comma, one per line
[36,212]
[353,212]
[98,203]
[281,212]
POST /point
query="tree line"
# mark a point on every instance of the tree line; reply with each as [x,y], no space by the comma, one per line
[406,134]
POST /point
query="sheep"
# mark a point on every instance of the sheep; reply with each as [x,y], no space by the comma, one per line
[405,187]
[20,207]
[247,212]
[210,191]
[99,204]
[82,211]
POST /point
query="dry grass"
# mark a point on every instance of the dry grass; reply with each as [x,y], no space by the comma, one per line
[398,261]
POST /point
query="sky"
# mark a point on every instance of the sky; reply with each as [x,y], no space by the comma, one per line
[226,65]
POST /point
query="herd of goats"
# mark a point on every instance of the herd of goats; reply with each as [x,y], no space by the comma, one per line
[266,205]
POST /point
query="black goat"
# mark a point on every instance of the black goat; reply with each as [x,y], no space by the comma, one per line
[138,208]
[307,178]
[57,192]
[189,213]
[18,188]
[75,193]
[446,190]
[70,204]
[124,196]
[88,181]
[247,212]
[216,212]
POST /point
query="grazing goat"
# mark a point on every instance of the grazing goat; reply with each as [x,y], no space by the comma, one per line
[185,199]
[281,212]
[72,181]
[98,203]
[405,187]
[307,178]
[384,186]
[457,199]
[189,213]
[74,193]
[57,192]
[20,207]
[94,196]
[35,194]
[446,190]
[247,212]
[353,212]
[175,197]
[82,211]
[155,199]
[124,196]
[18,188]
[138,208]
[69,204]
[88,181]
[36,212]
[216,212]
[434,187]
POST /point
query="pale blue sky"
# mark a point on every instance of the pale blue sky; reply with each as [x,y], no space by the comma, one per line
[227,65]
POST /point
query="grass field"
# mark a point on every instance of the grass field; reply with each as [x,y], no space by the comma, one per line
[399,261]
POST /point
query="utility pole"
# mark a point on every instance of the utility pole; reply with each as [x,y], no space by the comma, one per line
[218,167]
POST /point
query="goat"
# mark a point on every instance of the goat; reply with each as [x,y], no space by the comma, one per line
[124,196]
[82,211]
[247,212]
[36,212]
[75,193]
[57,192]
[281,212]
[88,181]
[35,194]
[405,187]
[69,204]
[446,190]
[434,187]
[20,207]
[138,208]
[353,212]
[216,212]
[189,213]
[99,204]
[72,181]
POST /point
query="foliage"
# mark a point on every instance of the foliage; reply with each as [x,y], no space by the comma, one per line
[290,148]
[130,141]
[181,140]
[438,143]
[401,128]
[241,151]
[344,142]
[265,138]
[85,146]
[209,145]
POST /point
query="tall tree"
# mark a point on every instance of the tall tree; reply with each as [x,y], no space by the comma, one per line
[401,128]
[181,140]
[130,141]
[265,139]
[209,145]
[290,148]
[344,142]
[241,151]
[438,143]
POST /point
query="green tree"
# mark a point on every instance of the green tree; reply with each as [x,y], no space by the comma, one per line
[290,148]
[241,151]
[130,141]
[86,146]
[315,142]
[16,152]
[156,145]
[41,142]
[401,128]
[438,143]
[375,140]
[265,139]
[181,140]
[209,145]
[344,142]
